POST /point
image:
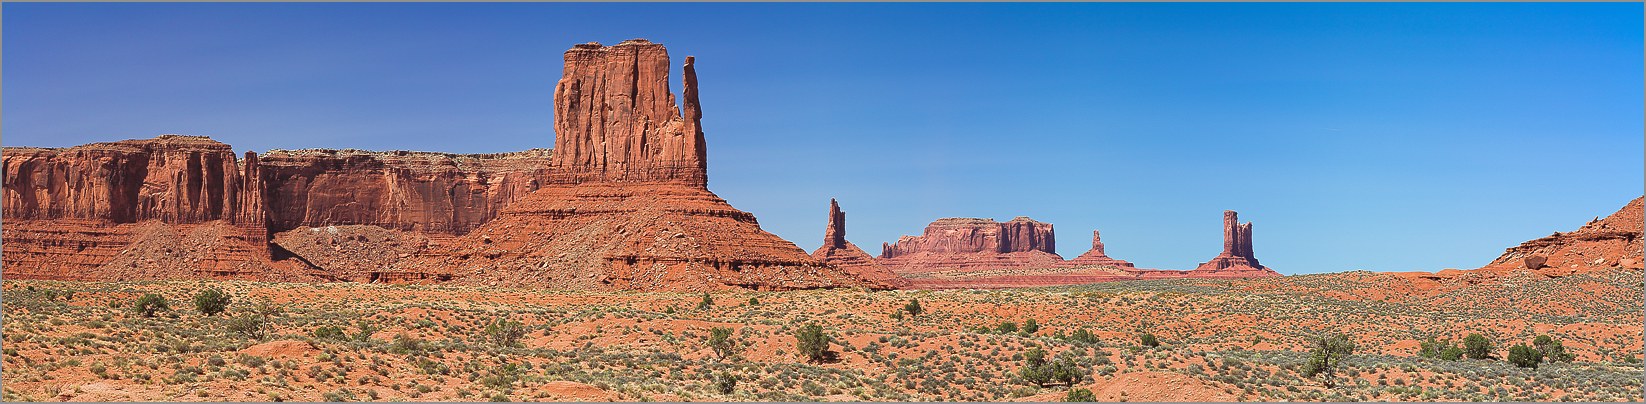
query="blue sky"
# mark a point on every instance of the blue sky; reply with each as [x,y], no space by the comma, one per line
[1386,137]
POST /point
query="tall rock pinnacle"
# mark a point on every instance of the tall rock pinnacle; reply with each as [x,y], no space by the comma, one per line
[1237,249]
[616,120]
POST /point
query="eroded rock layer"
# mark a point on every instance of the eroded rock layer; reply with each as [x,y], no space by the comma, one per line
[350,252]
[838,252]
[432,193]
[1615,241]
[625,236]
[967,243]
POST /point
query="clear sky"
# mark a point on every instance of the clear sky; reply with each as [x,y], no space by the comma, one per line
[1385,137]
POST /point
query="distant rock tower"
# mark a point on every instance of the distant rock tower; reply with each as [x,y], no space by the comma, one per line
[1095,256]
[838,252]
[1237,259]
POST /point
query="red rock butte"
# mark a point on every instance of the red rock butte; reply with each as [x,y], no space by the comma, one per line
[968,243]
[1613,241]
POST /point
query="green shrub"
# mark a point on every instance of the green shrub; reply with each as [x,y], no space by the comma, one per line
[330,332]
[812,342]
[150,304]
[1476,346]
[250,326]
[1330,350]
[1030,327]
[1148,340]
[1452,353]
[725,382]
[1006,327]
[913,307]
[720,339]
[505,333]
[706,303]
[1525,356]
[1552,350]
[1078,395]
[1037,370]
[211,301]
[1436,349]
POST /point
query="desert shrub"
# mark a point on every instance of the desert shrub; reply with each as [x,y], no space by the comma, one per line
[1452,353]
[753,301]
[1006,327]
[1037,370]
[504,333]
[1436,349]
[1030,327]
[331,332]
[913,307]
[1525,356]
[706,303]
[812,342]
[1082,336]
[249,325]
[150,304]
[1330,350]
[1476,346]
[211,301]
[725,382]
[1148,340]
[1551,349]
[720,340]
[1078,395]
[405,345]
[364,330]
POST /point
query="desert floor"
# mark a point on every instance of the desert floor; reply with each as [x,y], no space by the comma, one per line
[1219,340]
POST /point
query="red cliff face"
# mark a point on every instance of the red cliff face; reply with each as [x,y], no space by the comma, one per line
[628,207]
[616,120]
[171,178]
[118,211]
[1236,260]
[1096,256]
[965,243]
[1615,241]
[838,252]
[432,193]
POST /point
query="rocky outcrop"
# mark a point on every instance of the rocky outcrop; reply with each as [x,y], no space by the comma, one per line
[424,192]
[1615,241]
[1237,259]
[842,254]
[628,207]
[966,243]
[348,253]
[616,120]
[1096,256]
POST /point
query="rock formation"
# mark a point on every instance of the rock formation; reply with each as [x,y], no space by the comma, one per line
[1615,241]
[119,210]
[628,207]
[616,120]
[349,252]
[965,243]
[430,193]
[838,252]
[1095,256]
[1236,260]
[71,213]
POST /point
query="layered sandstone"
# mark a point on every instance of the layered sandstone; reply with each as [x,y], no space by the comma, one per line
[424,192]
[838,252]
[1615,241]
[1096,256]
[628,207]
[1237,259]
[164,208]
[352,253]
[968,243]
